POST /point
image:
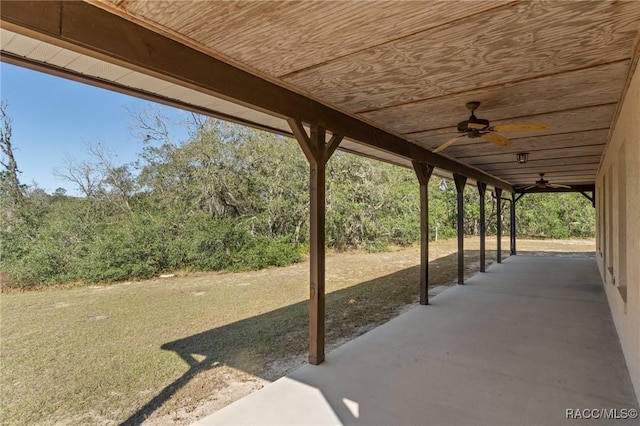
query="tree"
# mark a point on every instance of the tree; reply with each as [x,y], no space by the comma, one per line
[10,184]
[234,198]
[118,182]
[86,176]
[100,177]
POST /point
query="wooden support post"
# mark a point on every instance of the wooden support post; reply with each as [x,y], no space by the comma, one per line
[513,224]
[423,172]
[482,189]
[499,224]
[318,153]
[317,255]
[460,183]
[590,198]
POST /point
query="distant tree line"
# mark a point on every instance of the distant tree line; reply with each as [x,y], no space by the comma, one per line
[227,198]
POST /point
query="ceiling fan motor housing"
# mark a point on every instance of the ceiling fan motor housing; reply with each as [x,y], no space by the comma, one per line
[476,127]
[542,183]
[463,126]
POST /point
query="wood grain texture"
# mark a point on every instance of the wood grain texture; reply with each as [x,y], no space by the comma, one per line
[532,144]
[566,163]
[553,173]
[127,43]
[526,40]
[514,171]
[565,179]
[561,176]
[575,120]
[280,37]
[553,153]
[561,62]
[595,86]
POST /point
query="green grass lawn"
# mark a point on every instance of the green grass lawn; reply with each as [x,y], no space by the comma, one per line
[164,347]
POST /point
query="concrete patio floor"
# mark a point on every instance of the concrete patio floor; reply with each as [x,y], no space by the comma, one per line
[518,345]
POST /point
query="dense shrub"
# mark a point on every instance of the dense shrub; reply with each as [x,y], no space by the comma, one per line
[262,252]
[236,199]
[140,246]
[129,248]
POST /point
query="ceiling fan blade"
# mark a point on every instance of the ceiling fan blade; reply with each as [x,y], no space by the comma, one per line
[476,126]
[496,139]
[553,185]
[529,187]
[447,143]
[519,127]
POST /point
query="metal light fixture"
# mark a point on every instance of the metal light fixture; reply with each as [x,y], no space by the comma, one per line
[523,157]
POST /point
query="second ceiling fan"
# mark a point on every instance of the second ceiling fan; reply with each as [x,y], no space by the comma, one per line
[542,183]
[476,127]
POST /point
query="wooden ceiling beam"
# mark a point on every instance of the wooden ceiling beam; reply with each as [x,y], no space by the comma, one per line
[515,168]
[543,95]
[574,188]
[573,140]
[495,166]
[583,168]
[577,180]
[543,154]
[90,30]
[542,117]
[474,93]
[563,180]
[553,178]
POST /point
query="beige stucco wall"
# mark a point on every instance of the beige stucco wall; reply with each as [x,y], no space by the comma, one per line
[618,231]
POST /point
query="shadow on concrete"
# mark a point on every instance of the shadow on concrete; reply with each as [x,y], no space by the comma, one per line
[251,344]
[527,340]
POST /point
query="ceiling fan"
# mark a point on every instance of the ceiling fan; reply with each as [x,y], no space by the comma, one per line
[476,127]
[543,184]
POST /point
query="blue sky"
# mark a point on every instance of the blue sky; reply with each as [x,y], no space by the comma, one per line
[55,118]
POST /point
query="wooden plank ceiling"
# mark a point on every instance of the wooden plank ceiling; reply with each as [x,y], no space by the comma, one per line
[410,67]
